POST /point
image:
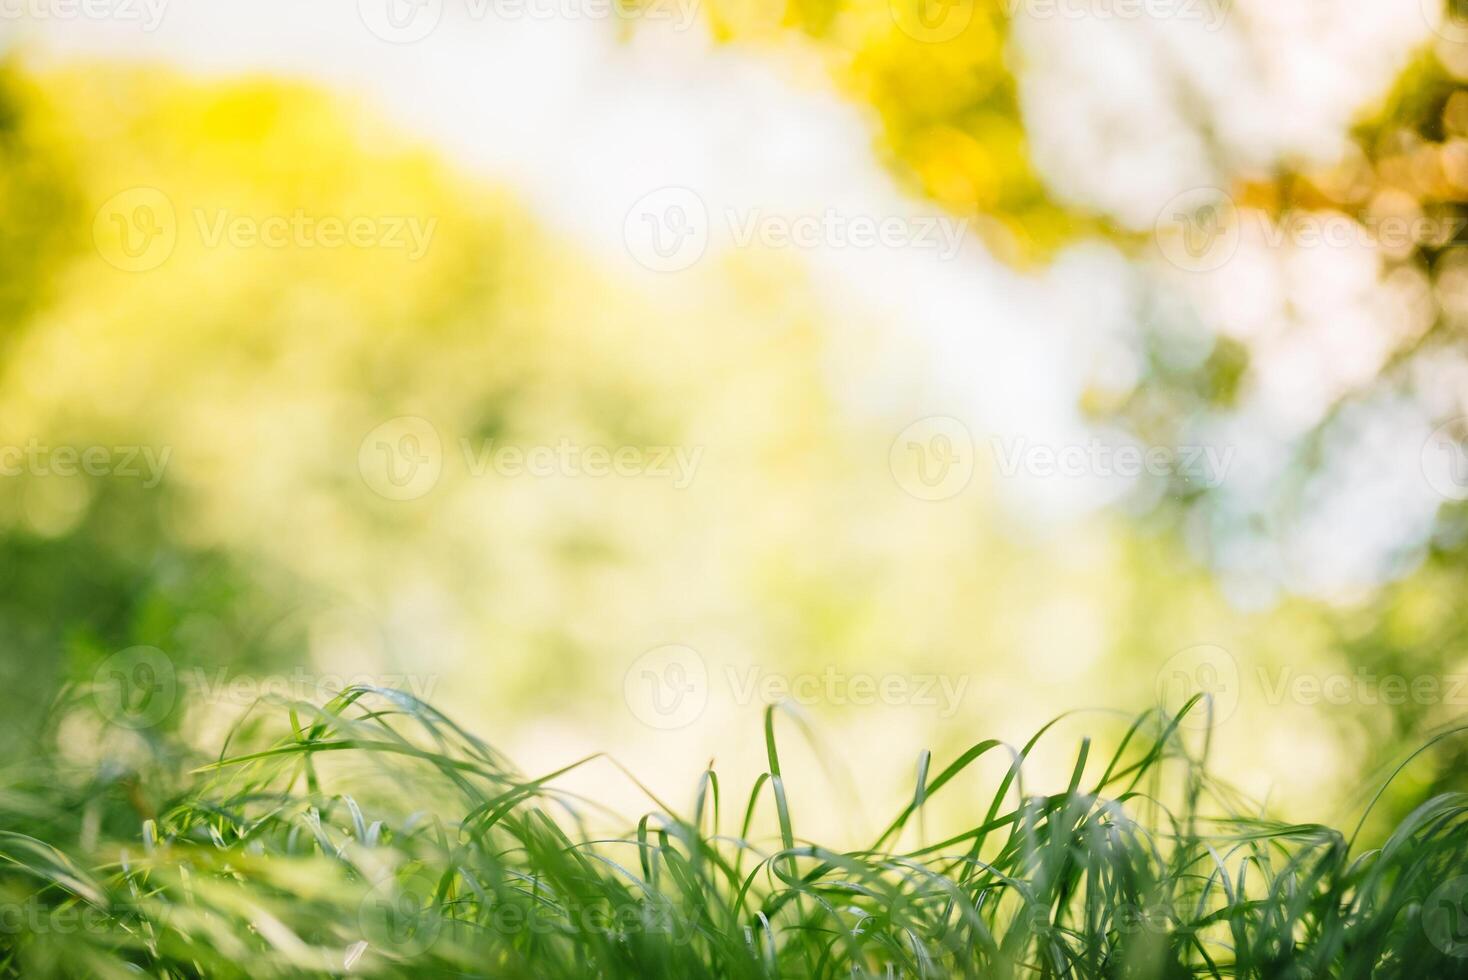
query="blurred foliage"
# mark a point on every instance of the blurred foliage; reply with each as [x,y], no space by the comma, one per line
[941,78]
[37,199]
[1408,162]
[263,370]
[937,75]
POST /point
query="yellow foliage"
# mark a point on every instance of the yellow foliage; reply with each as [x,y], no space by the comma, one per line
[935,74]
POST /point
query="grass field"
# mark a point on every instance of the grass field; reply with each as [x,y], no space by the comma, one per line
[373,836]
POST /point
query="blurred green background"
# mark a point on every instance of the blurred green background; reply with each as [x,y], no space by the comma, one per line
[271,547]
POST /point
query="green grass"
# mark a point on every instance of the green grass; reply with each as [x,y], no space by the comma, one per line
[373,836]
